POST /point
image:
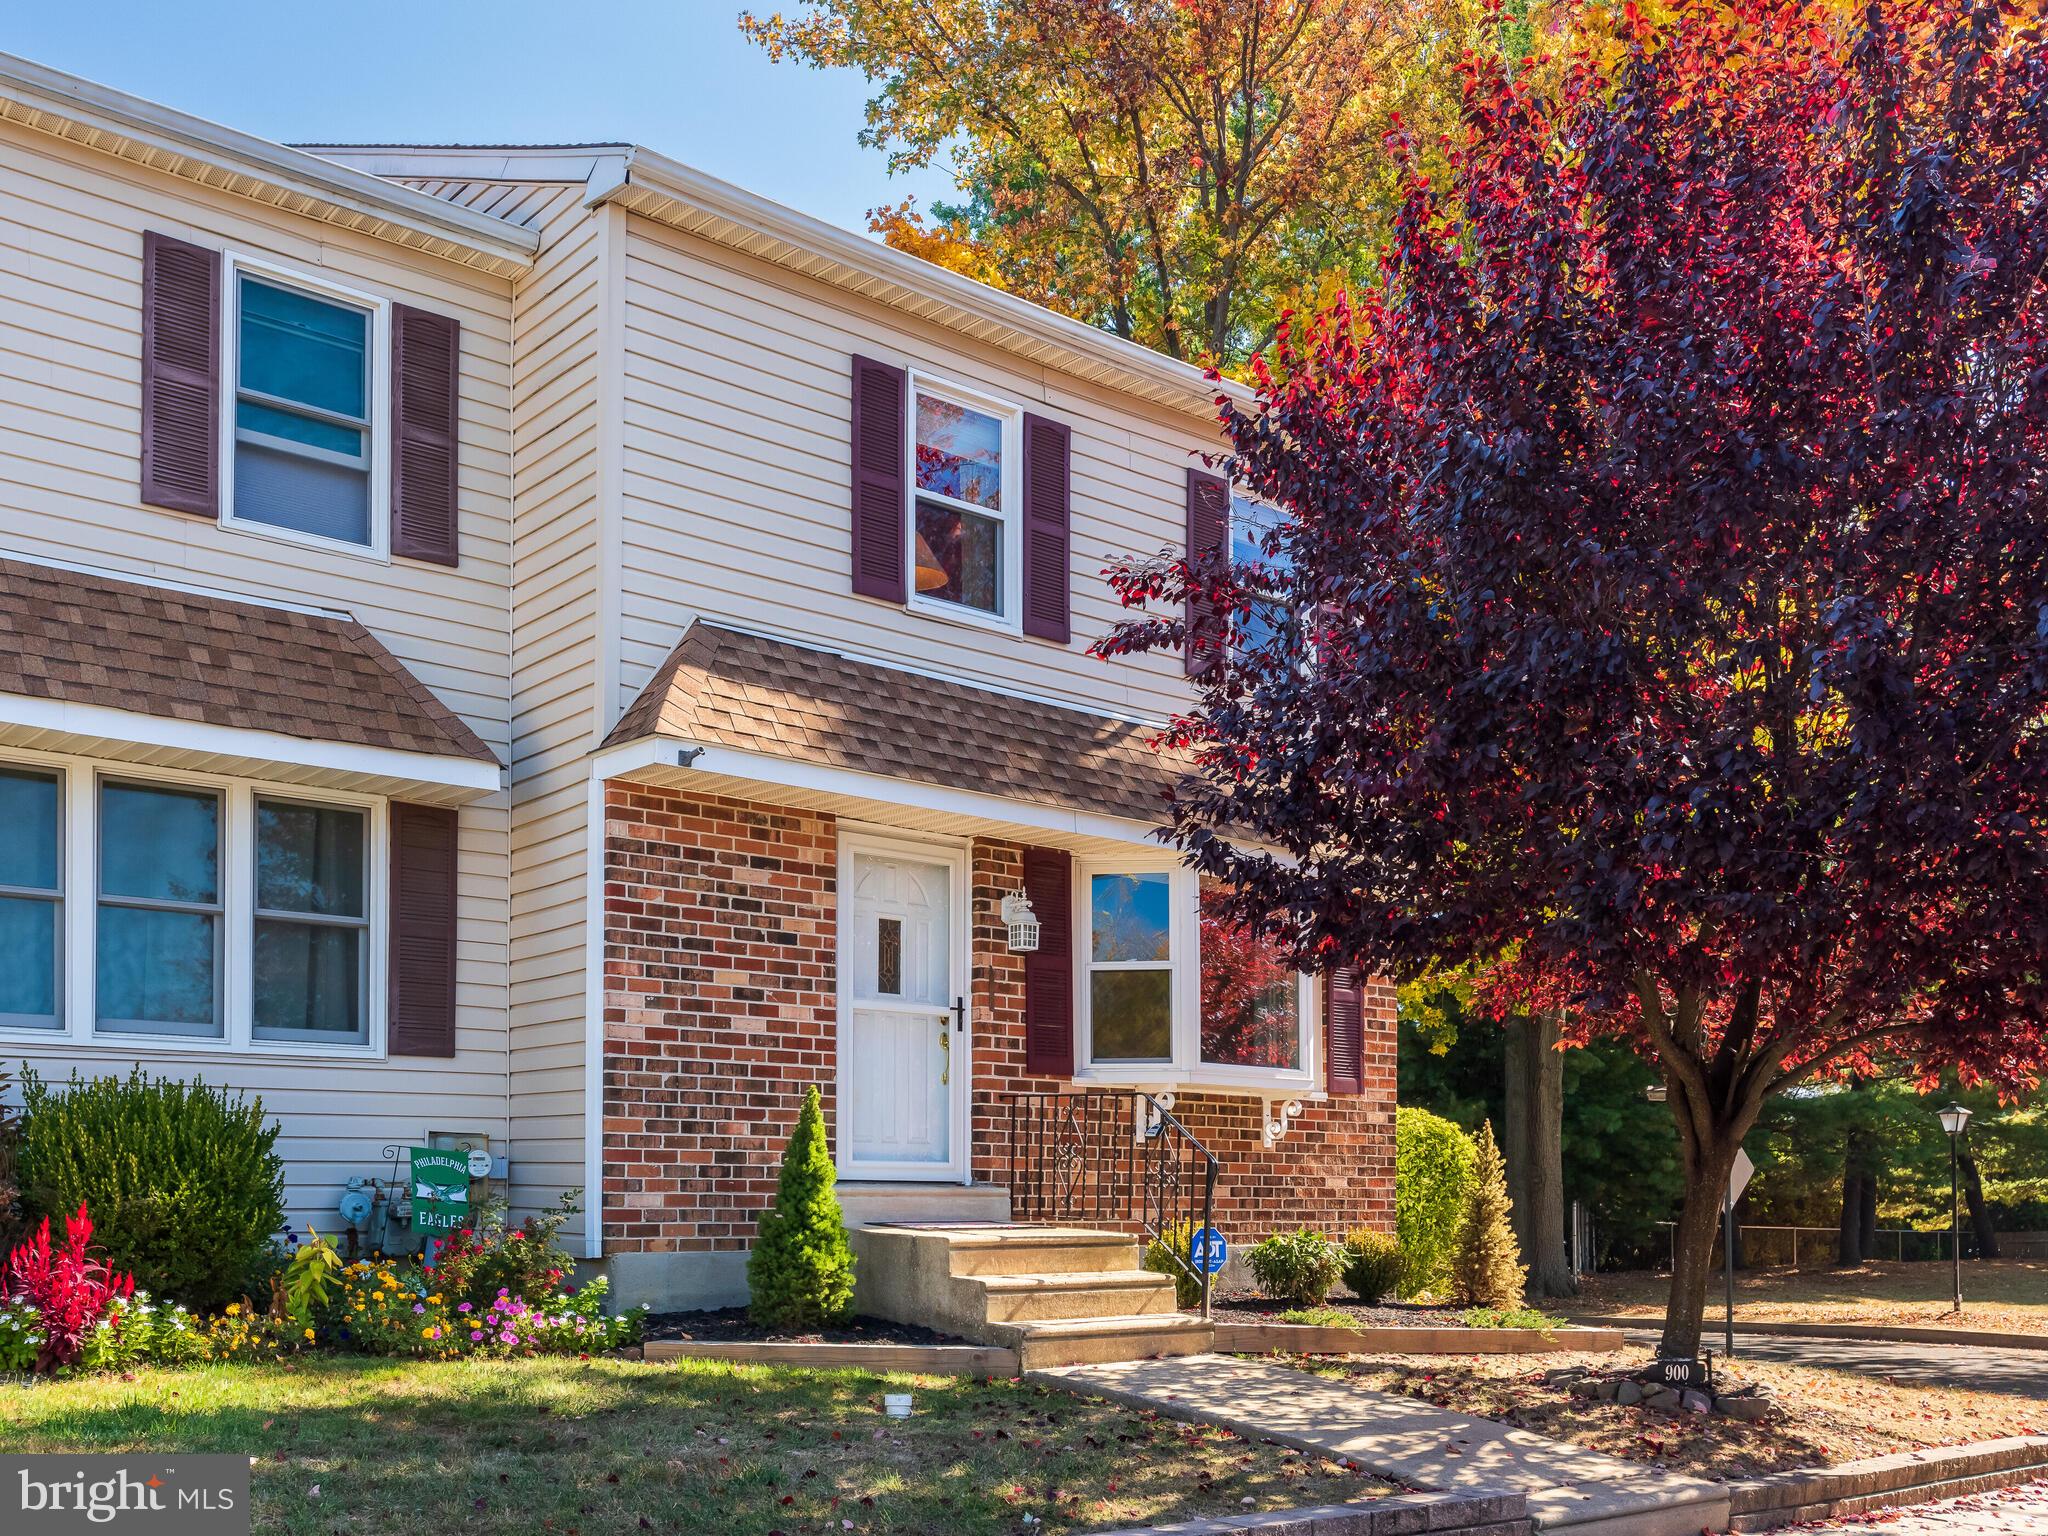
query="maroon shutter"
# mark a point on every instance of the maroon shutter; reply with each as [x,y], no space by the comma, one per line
[1344,1031]
[424,350]
[1208,528]
[180,375]
[1049,971]
[880,512]
[1046,490]
[422,930]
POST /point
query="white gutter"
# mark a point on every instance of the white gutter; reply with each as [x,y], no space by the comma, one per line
[153,134]
[704,204]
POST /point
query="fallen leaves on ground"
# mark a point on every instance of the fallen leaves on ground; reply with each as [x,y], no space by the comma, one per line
[1828,1416]
[1999,1295]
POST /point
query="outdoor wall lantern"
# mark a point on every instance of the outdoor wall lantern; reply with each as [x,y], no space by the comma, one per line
[1022,923]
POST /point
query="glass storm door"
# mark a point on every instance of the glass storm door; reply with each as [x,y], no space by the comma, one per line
[902,1051]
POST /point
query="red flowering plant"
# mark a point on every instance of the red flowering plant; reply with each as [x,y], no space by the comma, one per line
[71,1291]
[490,1258]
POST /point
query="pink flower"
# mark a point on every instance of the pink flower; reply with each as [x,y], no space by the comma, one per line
[464,1307]
[475,1334]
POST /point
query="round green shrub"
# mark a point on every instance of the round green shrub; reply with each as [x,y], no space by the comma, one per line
[184,1183]
[1296,1266]
[1372,1264]
[1434,1164]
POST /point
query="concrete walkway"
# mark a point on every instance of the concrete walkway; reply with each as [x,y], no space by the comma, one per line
[1569,1489]
[2016,1371]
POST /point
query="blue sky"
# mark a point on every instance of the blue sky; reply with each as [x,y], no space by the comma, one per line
[675,76]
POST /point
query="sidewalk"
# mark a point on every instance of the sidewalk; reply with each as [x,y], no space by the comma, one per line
[1569,1489]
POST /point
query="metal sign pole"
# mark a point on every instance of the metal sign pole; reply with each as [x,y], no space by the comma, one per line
[1728,1262]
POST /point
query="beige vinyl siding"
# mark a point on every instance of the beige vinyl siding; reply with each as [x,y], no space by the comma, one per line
[736,476]
[554,607]
[71,225]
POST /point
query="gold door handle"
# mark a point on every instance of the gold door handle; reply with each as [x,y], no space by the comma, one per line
[946,1045]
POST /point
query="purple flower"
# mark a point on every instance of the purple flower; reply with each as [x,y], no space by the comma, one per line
[475,1334]
[464,1307]
[503,1291]
[419,1309]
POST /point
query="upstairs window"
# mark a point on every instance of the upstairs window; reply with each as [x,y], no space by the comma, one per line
[304,412]
[965,548]
[1252,524]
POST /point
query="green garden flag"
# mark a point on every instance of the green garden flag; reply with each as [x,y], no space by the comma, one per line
[440,1189]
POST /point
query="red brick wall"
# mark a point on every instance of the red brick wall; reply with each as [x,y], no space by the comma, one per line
[719,997]
[720,994]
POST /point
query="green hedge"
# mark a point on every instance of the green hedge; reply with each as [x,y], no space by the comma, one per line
[184,1183]
[1434,1163]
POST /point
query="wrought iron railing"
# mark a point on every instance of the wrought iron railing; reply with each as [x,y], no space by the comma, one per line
[1117,1158]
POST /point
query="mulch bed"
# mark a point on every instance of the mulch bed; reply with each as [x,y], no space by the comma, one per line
[731,1325]
[1250,1307]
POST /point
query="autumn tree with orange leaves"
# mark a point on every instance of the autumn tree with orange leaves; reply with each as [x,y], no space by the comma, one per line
[1174,171]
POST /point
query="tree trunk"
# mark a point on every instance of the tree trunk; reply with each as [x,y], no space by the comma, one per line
[1980,1216]
[1514,1126]
[1849,1251]
[1866,1216]
[1550,1269]
[1699,1231]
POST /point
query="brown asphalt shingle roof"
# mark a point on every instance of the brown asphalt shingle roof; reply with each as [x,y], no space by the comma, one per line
[721,687]
[91,639]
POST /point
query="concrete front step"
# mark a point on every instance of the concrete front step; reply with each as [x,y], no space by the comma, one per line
[1078,1294]
[1093,1340]
[873,1203]
[1028,1250]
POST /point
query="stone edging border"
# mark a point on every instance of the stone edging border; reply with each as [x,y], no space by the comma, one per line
[1885,1482]
[926,1359]
[1874,1335]
[1399,1514]
[1300,1339]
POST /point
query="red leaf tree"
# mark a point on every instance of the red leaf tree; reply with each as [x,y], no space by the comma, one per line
[1667,574]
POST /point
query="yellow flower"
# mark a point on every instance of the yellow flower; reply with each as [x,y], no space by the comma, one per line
[435,1300]
[376,1295]
[426,1333]
[234,1309]
[309,1333]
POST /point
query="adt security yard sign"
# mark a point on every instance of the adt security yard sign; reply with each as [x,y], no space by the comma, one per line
[1207,1251]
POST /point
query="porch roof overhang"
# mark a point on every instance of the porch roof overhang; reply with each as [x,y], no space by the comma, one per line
[737,713]
[102,666]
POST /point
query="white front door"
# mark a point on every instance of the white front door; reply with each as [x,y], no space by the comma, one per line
[902,1040]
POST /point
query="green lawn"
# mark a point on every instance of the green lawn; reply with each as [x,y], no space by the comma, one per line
[582,1447]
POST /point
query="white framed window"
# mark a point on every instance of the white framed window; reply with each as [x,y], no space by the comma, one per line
[1252,522]
[305,419]
[310,962]
[1169,991]
[31,899]
[218,914]
[966,517]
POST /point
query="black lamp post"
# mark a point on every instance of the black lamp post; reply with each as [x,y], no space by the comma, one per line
[1955,1119]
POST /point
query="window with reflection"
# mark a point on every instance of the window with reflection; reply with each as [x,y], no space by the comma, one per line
[159,922]
[961,521]
[311,959]
[1251,995]
[1130,967]
[31,900]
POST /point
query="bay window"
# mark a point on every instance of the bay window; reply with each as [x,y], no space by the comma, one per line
[214,913]
[964,514]
[31,900]
[1171,991]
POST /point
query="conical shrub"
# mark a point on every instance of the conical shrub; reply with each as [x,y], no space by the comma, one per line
[1487,1268]
[800,1274]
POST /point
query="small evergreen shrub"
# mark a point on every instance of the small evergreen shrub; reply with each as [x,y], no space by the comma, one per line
[1372,1264]
[184,1182]
[1296,1266]
[800,1274]
[1487,1269]
[1167,1254]
[1433,1163]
